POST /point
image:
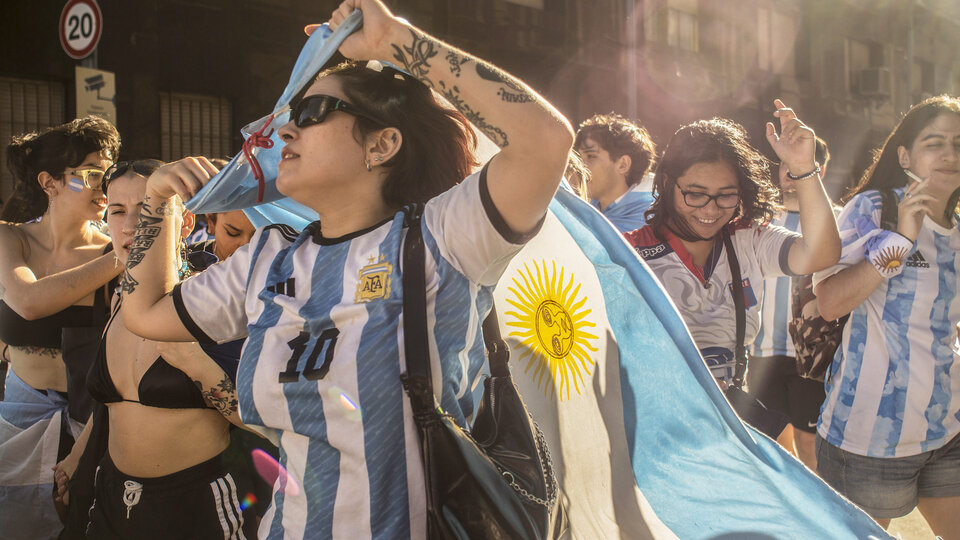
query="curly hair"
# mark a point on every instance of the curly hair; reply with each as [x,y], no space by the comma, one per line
[438,143]
[620,137]
[711,141]
[52,150]
[885,171]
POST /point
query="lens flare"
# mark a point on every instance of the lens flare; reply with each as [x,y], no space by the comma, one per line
[274,474]
[248,501]
[350,406]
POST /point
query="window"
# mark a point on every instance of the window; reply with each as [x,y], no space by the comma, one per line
[682,30]
[194,125]
[26,105]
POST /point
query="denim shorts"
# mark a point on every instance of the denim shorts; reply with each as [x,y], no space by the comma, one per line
[890,487]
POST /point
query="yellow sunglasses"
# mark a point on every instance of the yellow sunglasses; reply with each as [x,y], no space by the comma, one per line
[91,178]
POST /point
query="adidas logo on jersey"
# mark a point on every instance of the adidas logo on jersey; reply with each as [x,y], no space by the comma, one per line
[286,288]
[917,261]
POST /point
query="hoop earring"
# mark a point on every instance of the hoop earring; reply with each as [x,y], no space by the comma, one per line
[368,165]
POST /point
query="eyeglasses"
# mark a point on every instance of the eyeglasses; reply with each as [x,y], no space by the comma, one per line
[91,178]
[143,167]
[698,199]
[313,110]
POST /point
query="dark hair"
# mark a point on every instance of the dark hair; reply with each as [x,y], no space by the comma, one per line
[822,153]
[143,167]
[620,137]
[52,150]
[885,171]
[438,143]
[711,141]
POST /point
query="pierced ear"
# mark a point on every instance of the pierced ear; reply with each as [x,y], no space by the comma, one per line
[189,220]
[904,156]
[623,164]
[383,145]
[48,183]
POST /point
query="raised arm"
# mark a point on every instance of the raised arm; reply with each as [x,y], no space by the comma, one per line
[151,270]
[32,297]
[533,136]
[796,146]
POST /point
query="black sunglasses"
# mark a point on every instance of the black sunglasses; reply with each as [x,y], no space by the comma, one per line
[143,167]
[313,110]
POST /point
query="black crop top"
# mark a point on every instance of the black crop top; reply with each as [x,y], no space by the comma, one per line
[16,331]
[162,385]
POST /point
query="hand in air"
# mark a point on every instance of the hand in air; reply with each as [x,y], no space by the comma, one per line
[796,144]
[369,42]
[184,178]
[915,203]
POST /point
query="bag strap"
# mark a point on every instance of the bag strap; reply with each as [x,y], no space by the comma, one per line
[415,334]
[888,209]
[415,341]
[740,356]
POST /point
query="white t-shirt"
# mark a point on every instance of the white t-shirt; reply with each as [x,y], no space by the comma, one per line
[893,389]
[321,366]
[704,296]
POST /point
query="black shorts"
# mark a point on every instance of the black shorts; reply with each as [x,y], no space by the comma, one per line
[774,381]
[200,502]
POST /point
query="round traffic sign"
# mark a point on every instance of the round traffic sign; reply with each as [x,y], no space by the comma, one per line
[80,26]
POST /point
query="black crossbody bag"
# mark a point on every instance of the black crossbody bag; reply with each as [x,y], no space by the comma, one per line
[496,481]
[768,421]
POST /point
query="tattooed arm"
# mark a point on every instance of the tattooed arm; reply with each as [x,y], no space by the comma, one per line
[216,387]
[151,270]
[533,136]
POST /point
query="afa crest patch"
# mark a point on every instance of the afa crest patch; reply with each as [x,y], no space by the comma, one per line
[374,281]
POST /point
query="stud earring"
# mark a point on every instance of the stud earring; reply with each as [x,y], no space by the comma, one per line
[378,158]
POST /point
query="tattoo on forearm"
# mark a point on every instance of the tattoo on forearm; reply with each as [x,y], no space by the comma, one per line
[496,134]
[166,209]
[415,59]
[490,73]
[127,283]
[514,97]
[223,396]
[456,62]
[147,232]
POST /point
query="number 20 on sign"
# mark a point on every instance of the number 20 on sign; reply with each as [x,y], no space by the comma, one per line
[81,24]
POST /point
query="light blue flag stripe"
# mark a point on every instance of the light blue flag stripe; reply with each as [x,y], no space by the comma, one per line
[703,471]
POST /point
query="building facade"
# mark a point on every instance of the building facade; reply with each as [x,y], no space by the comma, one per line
[190,74]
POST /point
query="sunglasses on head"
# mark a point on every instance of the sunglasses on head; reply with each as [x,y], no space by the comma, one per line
[143,167]
[313,110]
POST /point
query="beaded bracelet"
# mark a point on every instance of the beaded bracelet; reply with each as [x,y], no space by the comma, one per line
[815,171]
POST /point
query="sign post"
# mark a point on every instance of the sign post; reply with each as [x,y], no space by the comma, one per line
[96,93]
[81,24]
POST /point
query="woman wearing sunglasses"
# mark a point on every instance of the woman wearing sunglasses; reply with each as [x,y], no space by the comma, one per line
[710,185]
[322,309]
[52,275]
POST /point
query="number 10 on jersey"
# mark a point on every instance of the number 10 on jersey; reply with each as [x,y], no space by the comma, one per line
[313,369]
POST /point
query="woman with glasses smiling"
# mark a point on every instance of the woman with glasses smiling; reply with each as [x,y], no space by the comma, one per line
[52,277]
[321,368]
[713,189]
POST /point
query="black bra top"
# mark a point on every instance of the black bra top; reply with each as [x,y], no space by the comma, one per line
[46,332]
[16,331]
[162,385]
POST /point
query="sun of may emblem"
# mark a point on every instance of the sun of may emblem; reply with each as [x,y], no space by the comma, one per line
[551,323]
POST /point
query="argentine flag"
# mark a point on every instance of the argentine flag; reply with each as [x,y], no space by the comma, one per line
[643,441]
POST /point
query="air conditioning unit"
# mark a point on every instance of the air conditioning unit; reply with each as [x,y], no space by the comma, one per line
[875,82]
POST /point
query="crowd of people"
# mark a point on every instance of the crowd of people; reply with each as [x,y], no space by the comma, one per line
[131,353]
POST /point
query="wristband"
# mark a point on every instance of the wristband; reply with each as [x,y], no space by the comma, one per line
[815,171]
[887,251]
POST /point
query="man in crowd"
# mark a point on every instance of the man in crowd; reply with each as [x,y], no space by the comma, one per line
[619,155]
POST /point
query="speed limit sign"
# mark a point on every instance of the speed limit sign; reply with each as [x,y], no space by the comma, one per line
[80,26]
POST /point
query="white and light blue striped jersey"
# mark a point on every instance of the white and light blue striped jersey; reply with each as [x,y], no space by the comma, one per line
[626,213]
[704,296]
[773,339]
[894,387]
[322,362]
